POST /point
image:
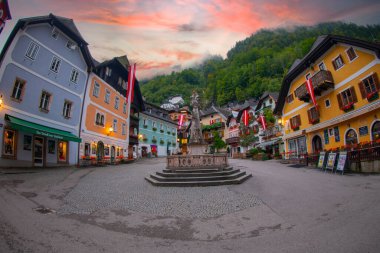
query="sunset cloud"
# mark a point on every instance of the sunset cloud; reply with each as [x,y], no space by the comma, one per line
[163,36]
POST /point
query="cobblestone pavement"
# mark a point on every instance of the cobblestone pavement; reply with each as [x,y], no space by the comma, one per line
[113,209]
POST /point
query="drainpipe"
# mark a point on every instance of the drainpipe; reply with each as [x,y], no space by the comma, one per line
[81,112]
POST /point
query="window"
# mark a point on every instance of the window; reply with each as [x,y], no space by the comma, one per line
[55,63]
[289,98]
[107,97]
[54,33]
[62,151]
[295,122]
[99,119]
[308,76]
[70,45]
[116,102]
[124,108]
[17,89]
[108,71]
[123,129]
[338,62]
[67,109]
[347,98]
[351,54]
[45,101]
[74,76]
[327,103]
[9,142]
[32,51]
[161,126]
[376,131]
[321,66]
[95,92]
[369,86]
[313,115]
[120,81]
[154,124]
[114,125]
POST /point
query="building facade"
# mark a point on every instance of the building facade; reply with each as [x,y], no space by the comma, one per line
[104,124]
[183,130]
[158,133]
[44,71]
[344,75]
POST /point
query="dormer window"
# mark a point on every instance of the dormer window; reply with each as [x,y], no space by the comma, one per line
[108,71]
[54,33]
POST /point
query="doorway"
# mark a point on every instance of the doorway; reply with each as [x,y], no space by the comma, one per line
[317,144]
[38,151]
[100,151]
[112,153]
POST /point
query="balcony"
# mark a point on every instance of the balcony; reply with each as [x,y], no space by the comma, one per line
[215,126]
[133,139]
[272,132]
[321,81]
[233,140]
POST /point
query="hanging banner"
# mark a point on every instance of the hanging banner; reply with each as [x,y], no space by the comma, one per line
[262,121]
[310,89]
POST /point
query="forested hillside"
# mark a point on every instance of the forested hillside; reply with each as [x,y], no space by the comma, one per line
[252,66]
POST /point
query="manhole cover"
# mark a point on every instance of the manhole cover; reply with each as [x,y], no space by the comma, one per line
[44,210]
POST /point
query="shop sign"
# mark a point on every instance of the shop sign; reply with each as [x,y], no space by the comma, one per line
[47,134]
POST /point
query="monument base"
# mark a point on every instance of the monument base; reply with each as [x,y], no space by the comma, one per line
[205,161]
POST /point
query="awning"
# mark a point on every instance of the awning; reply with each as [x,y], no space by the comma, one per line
[268,143]
[30,127]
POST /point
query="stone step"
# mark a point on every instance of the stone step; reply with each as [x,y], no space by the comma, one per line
[199,183]
[197,170]
[214,173]
[202,178]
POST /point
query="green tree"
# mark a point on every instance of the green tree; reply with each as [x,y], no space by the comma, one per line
[218,143]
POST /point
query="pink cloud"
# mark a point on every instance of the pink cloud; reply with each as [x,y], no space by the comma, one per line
[153,65]
[180,55]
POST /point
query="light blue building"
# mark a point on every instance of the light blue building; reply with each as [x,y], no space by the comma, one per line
[158,133]
[43,76]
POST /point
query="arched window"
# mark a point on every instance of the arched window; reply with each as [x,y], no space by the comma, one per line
[97,120]
[102,120]
[351,137]
[376,131]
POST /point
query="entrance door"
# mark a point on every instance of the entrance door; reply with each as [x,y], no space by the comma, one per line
[38,151]
[100,151]
[317,144]
[144,151]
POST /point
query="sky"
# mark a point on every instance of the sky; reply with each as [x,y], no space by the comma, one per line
[162,36]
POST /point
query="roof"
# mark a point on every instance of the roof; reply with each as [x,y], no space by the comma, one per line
[266,95]
[155,114]
[213,109]
[66,25]
[320,46]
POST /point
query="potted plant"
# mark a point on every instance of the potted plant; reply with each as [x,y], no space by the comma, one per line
[154,128]
[348,107]
[372,96]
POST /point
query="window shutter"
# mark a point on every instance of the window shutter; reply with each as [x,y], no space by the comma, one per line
[354,98]
[310,116]
[340,102]
[376,79]
[362,90]
[291,122]
[298,119]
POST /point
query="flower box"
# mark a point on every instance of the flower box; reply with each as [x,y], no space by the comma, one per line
[168,132]
[348,107]
[154,140]
[154,128]
[161,130]
[314,121]
[296,128]
[372,96]
[145,126]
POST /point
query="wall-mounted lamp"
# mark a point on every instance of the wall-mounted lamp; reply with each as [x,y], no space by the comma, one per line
[1,100]
[140,136]
[280,121]
[110,130]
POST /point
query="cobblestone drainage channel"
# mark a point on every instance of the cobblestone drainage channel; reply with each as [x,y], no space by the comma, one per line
[44,210]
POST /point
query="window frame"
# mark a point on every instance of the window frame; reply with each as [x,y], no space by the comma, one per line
[334,61]
[75,73]
[322,64]
[348,55]
[34,51]
[67,109]
[288,98]
[55,64]
[107,96]
[96,90]
[123,129]
[114,125]
[125,108]
[117,102]
[19,91]
[327,106]
[344,101]
[43,105]
[369,88]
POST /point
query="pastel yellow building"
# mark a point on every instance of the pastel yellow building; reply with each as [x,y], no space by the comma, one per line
[214,119]
[344,74]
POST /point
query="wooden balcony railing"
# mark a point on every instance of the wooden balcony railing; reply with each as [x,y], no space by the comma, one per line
[321,81]
[233,140]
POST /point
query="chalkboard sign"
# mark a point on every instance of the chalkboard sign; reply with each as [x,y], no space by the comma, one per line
[321,160]
[341,161]
[363,130]
[331,161]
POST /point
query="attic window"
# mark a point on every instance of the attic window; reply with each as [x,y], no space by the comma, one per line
[54,33]
[70,45]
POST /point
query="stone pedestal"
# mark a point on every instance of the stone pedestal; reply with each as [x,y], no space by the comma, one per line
[197,149]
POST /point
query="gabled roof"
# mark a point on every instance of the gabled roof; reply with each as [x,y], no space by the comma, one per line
[213,109]
[66,25]
[273,95]
[320,46]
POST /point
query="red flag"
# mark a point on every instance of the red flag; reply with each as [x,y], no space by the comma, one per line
[131,82]
[180,120]
[310,89]
[4,13]
[262,121]
[246,118]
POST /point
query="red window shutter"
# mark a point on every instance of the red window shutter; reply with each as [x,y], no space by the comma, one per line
[362,90]
[353,93]
[376,79]
[340,102]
